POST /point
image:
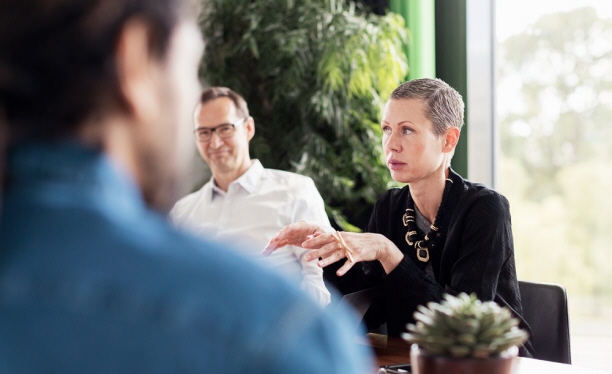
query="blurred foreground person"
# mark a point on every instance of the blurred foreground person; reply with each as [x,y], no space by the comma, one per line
[96,97]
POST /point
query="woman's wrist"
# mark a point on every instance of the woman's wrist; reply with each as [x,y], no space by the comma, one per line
[391,257]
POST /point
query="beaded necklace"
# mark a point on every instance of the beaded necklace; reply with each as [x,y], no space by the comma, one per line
[414,237]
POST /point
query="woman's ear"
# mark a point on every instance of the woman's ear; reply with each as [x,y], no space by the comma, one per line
[451,138]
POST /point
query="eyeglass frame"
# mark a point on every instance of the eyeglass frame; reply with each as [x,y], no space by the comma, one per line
[214,129]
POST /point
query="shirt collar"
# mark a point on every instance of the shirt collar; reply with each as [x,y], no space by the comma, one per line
[248,181]
[72,172]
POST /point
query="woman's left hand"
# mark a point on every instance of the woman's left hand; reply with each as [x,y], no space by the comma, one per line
[362,247]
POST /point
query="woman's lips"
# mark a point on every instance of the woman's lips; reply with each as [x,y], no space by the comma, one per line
[395,164]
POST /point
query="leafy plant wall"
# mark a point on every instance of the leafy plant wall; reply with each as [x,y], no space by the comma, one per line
[315,74]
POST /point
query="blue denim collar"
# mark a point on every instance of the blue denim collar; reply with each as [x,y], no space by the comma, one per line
[68,172]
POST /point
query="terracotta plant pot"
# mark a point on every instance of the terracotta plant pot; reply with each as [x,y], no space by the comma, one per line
[425,364]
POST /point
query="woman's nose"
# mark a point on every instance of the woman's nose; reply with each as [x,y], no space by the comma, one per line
[392,143]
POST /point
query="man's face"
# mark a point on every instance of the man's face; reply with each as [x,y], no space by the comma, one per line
[225,155]
[164,146]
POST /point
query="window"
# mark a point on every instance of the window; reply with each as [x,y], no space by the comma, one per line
[554,117]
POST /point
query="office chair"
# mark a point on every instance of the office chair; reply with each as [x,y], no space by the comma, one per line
[545,310]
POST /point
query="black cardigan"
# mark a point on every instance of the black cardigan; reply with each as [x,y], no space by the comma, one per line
[474,252]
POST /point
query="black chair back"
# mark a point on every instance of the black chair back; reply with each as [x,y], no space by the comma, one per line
[545,310]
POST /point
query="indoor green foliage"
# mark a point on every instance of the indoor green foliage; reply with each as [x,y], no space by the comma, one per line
[463,326]
[315,74]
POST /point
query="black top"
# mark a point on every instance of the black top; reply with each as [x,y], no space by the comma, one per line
[473,253]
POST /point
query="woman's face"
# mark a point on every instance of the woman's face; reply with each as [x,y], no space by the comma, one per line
[413,151]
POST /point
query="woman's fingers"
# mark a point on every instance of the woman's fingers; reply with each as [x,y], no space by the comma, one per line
[323,251]
[294,234]
[329,247]
[334,256]
[317,241]
[278,241]
[344,268]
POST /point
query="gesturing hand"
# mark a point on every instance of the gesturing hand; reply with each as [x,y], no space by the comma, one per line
[294,234]
[361,247]
[332,246]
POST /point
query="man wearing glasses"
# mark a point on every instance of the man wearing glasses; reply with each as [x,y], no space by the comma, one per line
[244,202]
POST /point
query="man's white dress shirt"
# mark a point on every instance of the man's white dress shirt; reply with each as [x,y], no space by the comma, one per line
[254,208]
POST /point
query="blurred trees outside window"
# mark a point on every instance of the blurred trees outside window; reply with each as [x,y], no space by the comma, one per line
[315,74]
[554,105]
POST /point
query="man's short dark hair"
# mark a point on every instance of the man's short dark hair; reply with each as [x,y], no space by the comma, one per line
[57,65]
[213,93]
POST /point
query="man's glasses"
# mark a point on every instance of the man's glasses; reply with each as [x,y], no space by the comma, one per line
[225,131]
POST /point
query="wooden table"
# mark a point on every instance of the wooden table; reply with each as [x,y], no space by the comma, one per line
[391,351]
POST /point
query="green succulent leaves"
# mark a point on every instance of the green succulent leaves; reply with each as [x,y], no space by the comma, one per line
[464,326]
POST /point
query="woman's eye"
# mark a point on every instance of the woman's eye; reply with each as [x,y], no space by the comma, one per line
[386,130]
[406,130]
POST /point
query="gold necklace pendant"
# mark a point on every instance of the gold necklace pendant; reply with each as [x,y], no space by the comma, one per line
[422,253]
[413,239]
[407,237]
[407,218]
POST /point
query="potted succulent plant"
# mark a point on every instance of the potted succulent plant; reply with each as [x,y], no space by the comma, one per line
[464,335]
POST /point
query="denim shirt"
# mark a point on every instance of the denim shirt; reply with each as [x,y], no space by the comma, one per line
[92,281]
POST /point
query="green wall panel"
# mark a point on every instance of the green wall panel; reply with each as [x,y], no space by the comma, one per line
[451,62]
[420,21]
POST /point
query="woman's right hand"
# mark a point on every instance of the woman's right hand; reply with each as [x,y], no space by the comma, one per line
[330,246]
[294,234]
